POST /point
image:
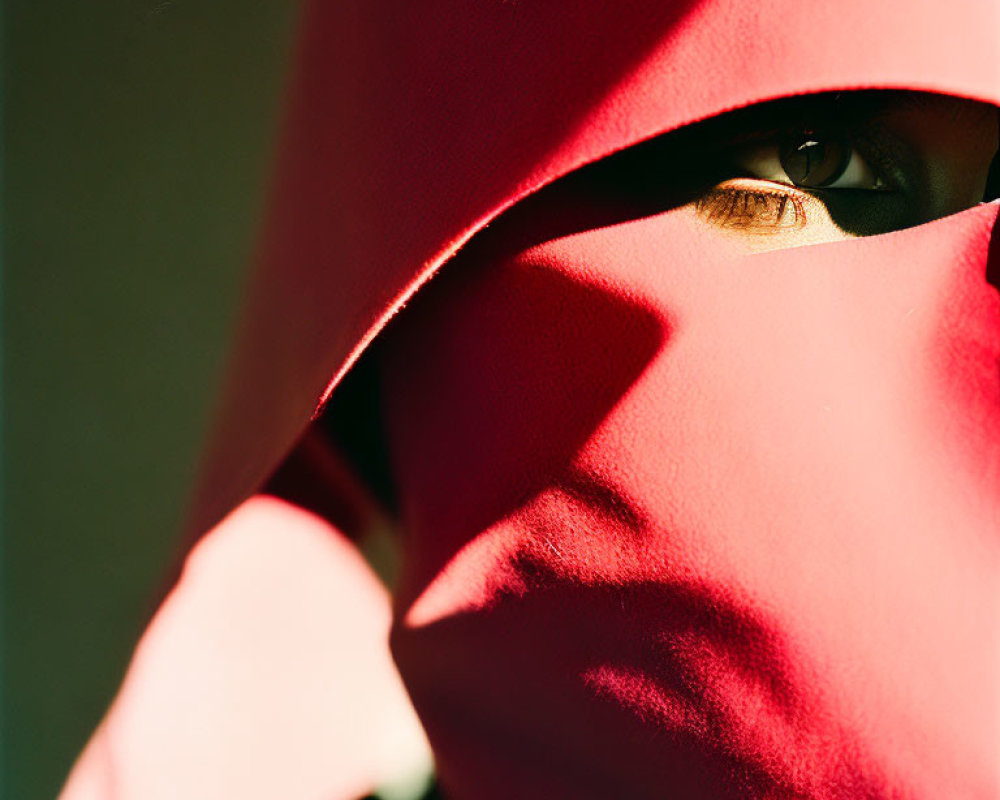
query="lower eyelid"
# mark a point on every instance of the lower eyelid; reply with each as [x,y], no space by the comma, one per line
[752,207]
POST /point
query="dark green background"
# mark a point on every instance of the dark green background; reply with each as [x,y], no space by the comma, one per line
[137,136]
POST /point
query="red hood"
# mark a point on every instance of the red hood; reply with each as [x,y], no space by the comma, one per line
[411,127]
[677,520]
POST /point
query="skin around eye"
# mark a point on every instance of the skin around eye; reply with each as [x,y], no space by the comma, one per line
[787,173]
[830,167]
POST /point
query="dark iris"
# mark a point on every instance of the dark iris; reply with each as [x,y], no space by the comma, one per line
[814,160]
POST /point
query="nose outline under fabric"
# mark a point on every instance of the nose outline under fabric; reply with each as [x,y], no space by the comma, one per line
[569,351]
[529,570]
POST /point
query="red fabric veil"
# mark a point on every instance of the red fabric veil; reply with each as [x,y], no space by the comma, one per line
[678,522]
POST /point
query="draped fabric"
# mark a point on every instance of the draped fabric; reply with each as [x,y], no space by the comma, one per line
[410,127]
[685,523]
[677,521]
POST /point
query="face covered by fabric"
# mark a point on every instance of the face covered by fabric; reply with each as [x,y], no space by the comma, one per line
[410,128]
[678,520]
[685,521]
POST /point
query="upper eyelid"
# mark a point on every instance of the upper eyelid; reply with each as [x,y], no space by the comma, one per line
[765,125]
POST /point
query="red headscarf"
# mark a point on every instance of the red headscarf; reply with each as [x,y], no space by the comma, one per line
[679,522]
[411,128]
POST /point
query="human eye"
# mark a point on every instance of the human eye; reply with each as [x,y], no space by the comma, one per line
[852,164]
[786,180]
[812,160]
[802,170]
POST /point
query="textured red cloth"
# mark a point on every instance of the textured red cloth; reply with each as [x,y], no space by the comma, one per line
[685,523]
[265,674]
[679,522]
[411,126]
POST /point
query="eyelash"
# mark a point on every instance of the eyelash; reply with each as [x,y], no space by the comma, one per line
[748,209]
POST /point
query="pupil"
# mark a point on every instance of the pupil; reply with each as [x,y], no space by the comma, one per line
[810,160]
